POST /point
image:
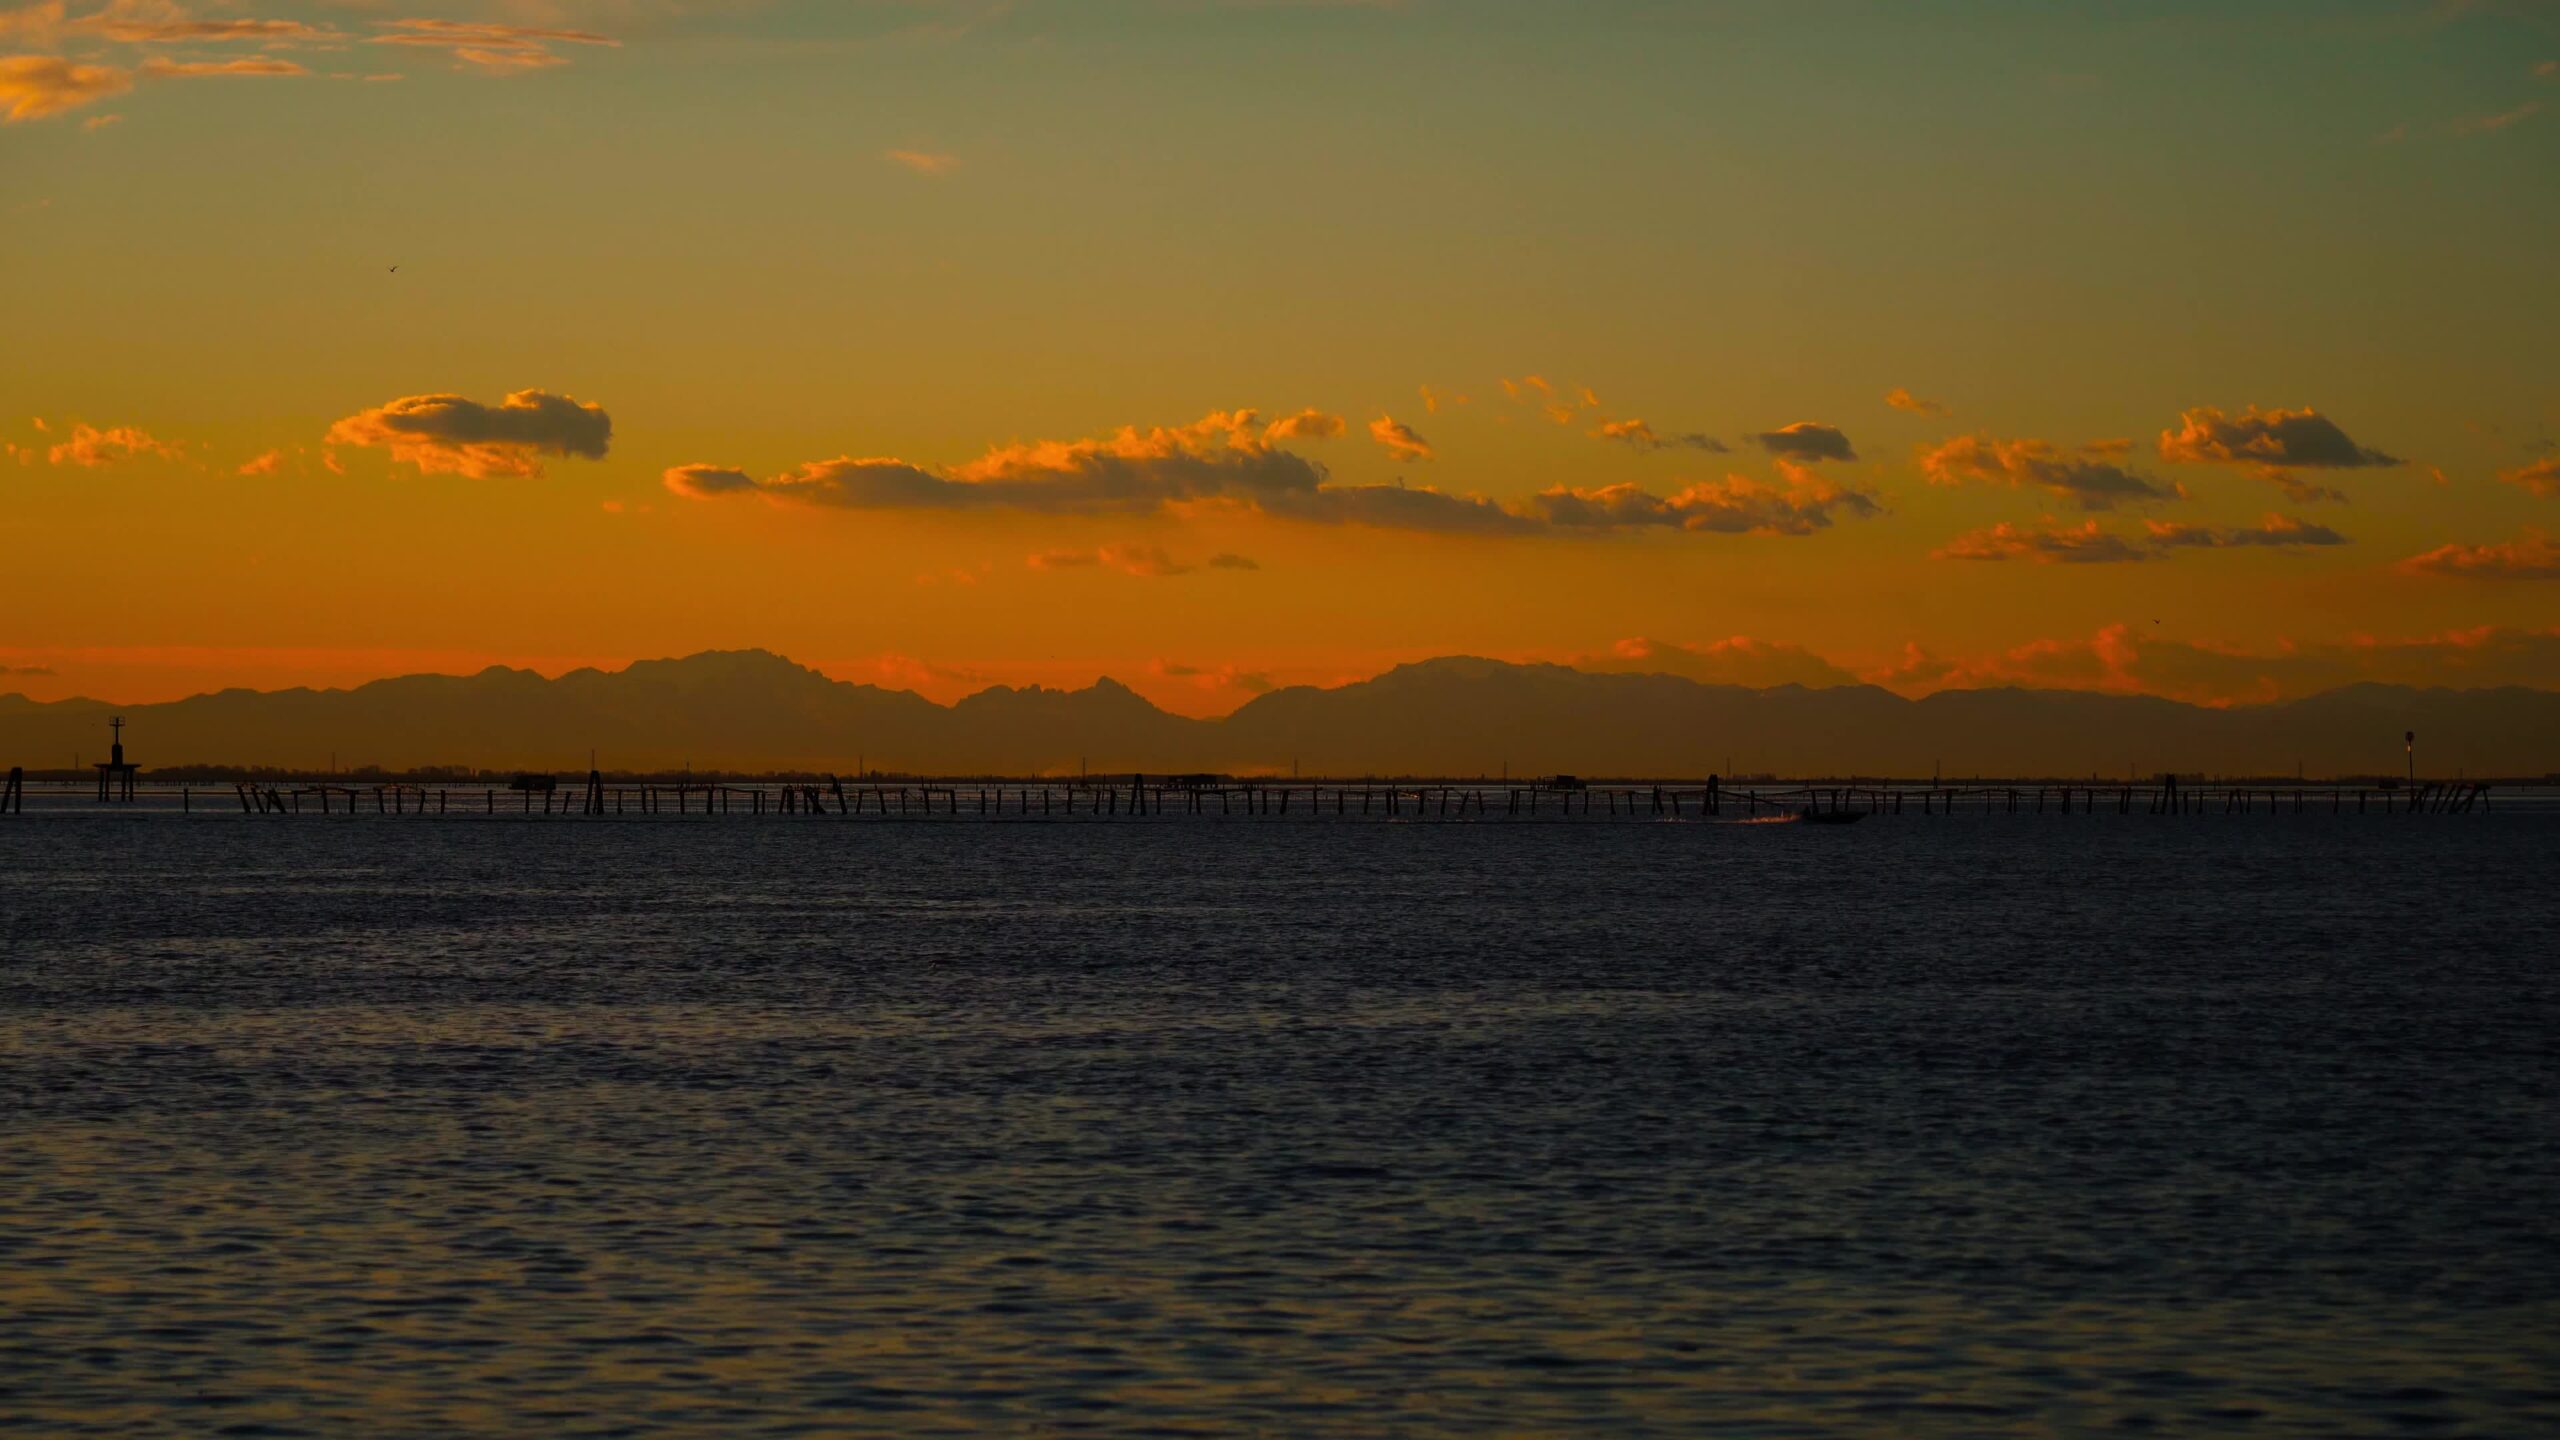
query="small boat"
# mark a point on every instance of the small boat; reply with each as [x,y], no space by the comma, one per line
[1810,816]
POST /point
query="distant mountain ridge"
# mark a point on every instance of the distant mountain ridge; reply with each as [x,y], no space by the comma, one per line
[754,710]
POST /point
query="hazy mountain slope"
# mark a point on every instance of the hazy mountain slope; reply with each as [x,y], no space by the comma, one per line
[755,710]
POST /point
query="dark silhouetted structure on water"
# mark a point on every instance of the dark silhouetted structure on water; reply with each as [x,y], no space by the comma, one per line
[115,773]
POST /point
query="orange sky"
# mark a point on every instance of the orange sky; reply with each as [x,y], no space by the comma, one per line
[1216,348]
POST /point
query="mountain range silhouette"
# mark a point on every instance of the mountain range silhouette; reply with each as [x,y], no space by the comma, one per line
[752,710]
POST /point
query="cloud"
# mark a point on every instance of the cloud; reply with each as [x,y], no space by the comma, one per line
[2271,530]
[1400,440]
[2050,545]
[2277,439]
[132,30]
[1901,399]
[1227,560]
[1225,459]
[2492,124]
[489,48]
[1305,425]
[2039,464]
[2542,477]
[1212,677]
[449,434]
[2533,557]
[1805,440]
[924,162]
[91,448]
[1740,660]
[701,482]
[1146,561]
[37,21]
[1637,435]
[268,464]
[1432,400]
[33,87]
[2134,659]
[1737,505]
[27,671]
[159,69]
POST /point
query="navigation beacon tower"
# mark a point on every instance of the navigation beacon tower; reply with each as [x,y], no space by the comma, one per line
[115,774]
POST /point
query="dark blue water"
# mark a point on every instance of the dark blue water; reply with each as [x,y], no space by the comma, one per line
[1978,1125]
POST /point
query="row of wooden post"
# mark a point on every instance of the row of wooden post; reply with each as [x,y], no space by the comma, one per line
[1138,799]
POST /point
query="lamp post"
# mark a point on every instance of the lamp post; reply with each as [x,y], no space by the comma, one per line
[2409,739]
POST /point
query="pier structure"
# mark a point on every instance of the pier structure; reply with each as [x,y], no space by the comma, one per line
[1213,797]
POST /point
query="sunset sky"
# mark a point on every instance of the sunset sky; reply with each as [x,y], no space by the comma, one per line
[2205,348]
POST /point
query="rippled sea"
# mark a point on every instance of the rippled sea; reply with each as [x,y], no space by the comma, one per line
[1986,1124]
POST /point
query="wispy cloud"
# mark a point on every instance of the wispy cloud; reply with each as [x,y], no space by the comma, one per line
[2272,530]
[33,87]
[2492,124]
[2045,545]
[924,162]
[1146,561]
[489,48]
[91,448]
[2533,556]
[1399,440]
[1226,459]
[2038,464]
[1643,438]
[2541,477]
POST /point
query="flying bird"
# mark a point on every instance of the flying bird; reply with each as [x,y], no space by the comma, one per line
[395,269]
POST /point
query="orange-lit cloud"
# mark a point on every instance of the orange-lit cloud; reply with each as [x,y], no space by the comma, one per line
[449,434]
[90,447]
[1806,440]
[2542,477]
[2533,557]
[2041,465]
[702,482]
[1212,677]
[1901,399]
[267,464]
[924,162]
[1305,425]
[2271,530]
[1639,436]
[2046,545]
[489,48]
[1737,505]
[2492,123]
[1224,458]
[2131,659]
[33,87]
[2274,439]
[1146,561]
[159,69]
[1400,440]
[1740,660]
[126,24]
